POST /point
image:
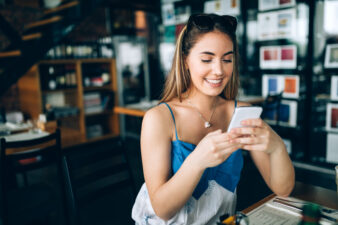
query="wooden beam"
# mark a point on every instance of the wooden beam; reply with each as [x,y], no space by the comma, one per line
[31,36]
[10,53]
[61,7]
[43,22]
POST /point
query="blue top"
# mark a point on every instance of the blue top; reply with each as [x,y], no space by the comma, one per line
[227,174]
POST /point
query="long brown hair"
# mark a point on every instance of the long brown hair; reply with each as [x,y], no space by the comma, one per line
[178,80]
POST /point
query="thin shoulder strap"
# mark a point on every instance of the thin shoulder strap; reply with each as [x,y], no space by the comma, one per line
[172,114]
[235,103]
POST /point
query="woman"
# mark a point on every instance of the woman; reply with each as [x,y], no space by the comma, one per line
[191,164]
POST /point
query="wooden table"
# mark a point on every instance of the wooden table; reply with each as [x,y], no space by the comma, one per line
[306,192]
[139,111]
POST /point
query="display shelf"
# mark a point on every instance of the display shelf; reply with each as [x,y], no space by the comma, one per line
[73,104]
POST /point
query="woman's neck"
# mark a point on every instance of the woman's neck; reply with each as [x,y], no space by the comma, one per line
[201,101]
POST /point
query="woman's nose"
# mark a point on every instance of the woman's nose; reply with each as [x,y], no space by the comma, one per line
[217,68]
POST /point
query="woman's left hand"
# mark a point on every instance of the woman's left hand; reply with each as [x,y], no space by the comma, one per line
[256,135]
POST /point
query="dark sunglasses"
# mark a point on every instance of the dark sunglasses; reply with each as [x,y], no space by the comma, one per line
[207,22]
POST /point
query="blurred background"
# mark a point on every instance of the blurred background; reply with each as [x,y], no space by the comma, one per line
[93,67]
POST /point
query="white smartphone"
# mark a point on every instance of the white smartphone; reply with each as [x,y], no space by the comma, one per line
[244,113]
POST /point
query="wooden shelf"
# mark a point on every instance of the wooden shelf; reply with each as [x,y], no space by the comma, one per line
[98,88]
[60,90]
[74,128]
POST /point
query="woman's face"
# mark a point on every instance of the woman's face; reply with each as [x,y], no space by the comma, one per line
[210,63]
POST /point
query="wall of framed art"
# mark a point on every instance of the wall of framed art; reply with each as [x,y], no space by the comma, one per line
[287,48]
[324,114]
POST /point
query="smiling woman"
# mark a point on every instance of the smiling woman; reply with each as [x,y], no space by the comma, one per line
[192,165]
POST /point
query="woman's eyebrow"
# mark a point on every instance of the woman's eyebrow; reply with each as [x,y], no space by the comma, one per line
[211,53]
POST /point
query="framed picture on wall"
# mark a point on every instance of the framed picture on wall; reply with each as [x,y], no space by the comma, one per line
[331,56]
[168,14]
[278,57]
[334,87]
[274,4]
[275,84]
[272,84]
[291,86]
[277,24]
[288,113]
[332,117]
[222,7]
[331,148]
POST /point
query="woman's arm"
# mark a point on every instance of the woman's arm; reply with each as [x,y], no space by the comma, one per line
[168,193]
[269,154]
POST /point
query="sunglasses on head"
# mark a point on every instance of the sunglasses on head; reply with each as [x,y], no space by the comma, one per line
[207,22]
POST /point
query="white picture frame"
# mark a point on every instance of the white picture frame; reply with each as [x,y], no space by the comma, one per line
[277,24]
[168,14]
[332,117]
[334,88]
[272,84]
[277,83]
[222,7]
[291,86]
[331,56]
[275,4]
[278,57]
[331,148]
[289,107]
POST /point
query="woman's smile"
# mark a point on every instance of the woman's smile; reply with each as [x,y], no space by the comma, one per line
[214,82]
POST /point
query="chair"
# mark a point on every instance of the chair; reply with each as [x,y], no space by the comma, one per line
[33,202]
[98,169]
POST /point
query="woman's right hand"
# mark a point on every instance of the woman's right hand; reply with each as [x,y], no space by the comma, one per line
[213,149]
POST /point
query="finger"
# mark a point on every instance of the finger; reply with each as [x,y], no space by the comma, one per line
[253,122]
[258,147]
[227,145]
[231,149]
[224,137]
[247,130]
[252,139]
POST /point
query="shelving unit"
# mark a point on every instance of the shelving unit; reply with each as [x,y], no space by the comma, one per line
[79,93]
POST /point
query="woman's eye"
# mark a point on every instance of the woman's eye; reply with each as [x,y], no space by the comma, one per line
[227,60]
[206,60]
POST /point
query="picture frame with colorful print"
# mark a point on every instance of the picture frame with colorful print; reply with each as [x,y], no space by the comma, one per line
[332,117]
[334,88]
[331,56]
[222,7]
[272,84]
[288,57]
[278,57]
[291,86]
[168,14]
[277,24]
[287,115]
[331,148]
[274,4]
[269,57]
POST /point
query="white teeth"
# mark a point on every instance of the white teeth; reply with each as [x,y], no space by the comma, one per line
[214,81]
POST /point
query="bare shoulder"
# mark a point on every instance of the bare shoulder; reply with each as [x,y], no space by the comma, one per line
[157,121]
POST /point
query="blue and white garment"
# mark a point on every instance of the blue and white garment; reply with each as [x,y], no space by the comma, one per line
[214,195]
